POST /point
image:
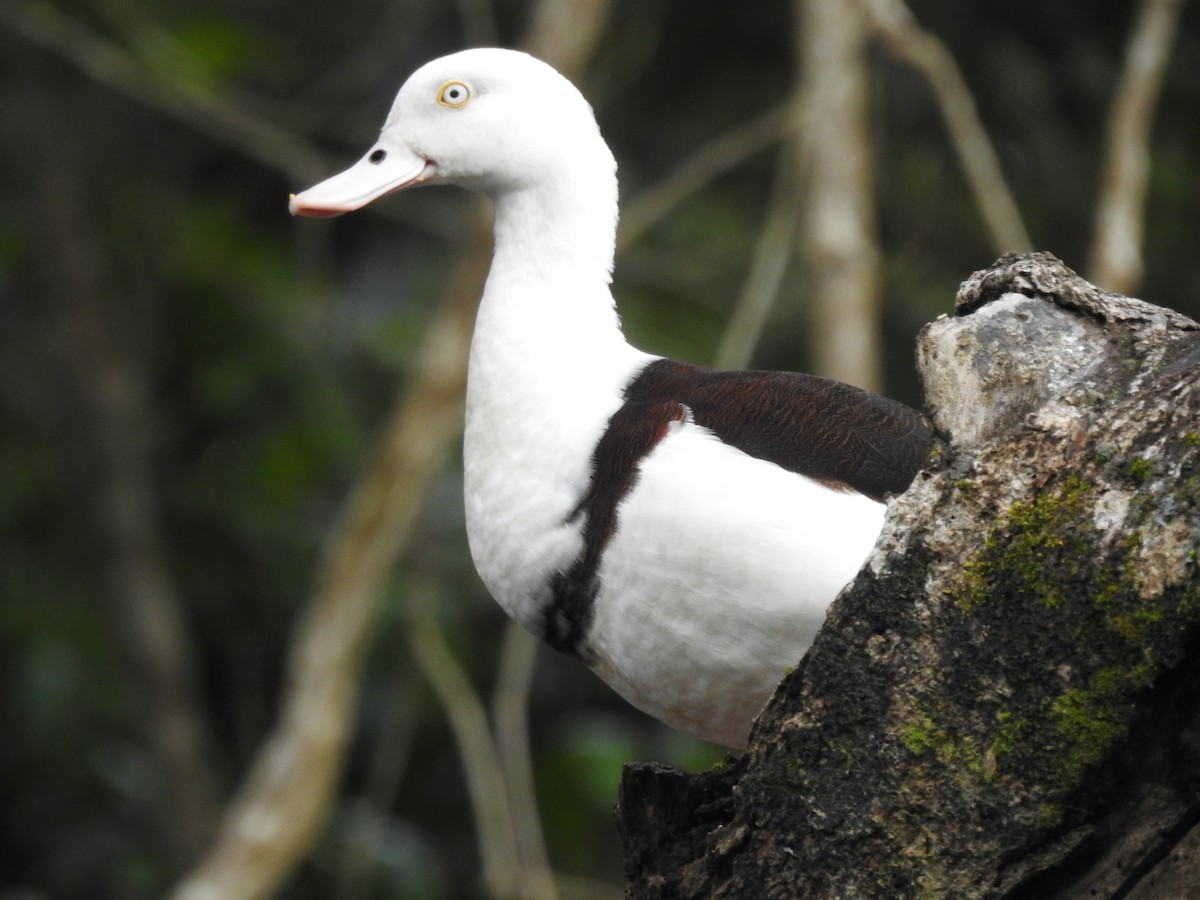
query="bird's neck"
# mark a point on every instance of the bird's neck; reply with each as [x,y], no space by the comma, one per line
[548,367]
[560,230]
[552,266]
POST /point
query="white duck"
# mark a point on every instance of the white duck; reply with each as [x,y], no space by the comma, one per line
[680,530]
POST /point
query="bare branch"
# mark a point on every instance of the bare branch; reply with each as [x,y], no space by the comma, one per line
[771,254]
[565,33]
[168,89]
[371,811]
[284,801]
[1116,254]
[480,758]
[896,25]
[173,91]
[510,715]
[839,221]
[724,152]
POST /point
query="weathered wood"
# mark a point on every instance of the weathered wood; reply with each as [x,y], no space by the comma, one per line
[1004,703]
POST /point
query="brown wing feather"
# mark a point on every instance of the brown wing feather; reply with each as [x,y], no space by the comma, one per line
[824,429]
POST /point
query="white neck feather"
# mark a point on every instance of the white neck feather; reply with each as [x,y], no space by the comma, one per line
[548,366]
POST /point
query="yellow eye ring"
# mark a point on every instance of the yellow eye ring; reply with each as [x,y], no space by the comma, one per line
[453,94]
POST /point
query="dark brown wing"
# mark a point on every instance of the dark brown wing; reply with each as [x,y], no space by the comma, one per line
[829,431]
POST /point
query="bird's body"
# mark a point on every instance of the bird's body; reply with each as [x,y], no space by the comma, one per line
[680,530]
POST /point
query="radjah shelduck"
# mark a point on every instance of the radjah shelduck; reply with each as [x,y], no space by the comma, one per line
[680,530]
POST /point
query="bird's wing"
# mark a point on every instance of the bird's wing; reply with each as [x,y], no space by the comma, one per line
[831,432]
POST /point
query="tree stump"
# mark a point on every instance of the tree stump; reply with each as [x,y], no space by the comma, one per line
[1004,702]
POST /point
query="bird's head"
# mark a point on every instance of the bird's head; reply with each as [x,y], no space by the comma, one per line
[489,119]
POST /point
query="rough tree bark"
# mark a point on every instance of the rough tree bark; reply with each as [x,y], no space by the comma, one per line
[1004,703]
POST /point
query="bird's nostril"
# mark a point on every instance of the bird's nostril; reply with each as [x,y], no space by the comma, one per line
[378,156]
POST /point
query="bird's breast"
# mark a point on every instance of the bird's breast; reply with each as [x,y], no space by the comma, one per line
[687,573]
[716,580]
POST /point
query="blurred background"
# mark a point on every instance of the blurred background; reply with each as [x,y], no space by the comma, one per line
[242,646]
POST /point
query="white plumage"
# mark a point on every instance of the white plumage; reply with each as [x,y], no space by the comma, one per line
[689,573]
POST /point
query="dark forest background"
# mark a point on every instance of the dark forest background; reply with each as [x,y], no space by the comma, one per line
[192,384]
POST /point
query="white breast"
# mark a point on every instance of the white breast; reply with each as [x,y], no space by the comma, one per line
[545,376]
[718,579]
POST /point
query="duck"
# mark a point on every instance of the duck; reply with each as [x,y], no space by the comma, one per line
[680,530]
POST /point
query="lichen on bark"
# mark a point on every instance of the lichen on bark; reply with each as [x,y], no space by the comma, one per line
[978,715]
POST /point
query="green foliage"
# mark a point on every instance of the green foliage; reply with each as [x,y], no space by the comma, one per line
[222,48]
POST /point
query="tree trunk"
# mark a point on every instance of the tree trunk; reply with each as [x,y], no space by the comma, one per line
[838,234]
[1003,703]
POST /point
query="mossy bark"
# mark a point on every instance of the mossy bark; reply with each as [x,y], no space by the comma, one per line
[1004,703]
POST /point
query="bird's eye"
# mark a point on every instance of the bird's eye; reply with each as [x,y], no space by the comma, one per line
[454,94]
[378,156]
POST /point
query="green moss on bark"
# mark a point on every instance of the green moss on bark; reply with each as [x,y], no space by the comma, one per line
[1033,550]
